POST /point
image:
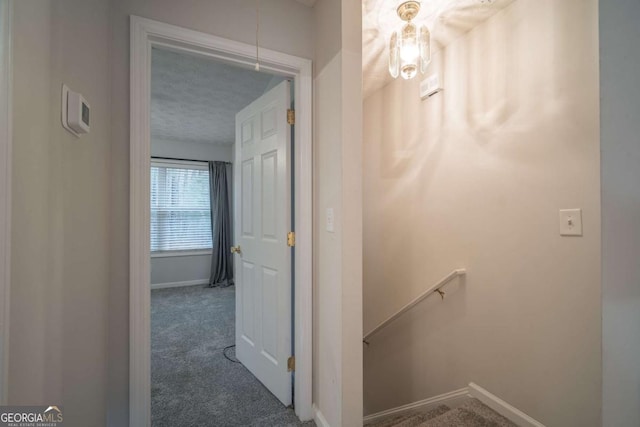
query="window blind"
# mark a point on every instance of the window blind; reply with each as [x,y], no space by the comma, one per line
[180,208]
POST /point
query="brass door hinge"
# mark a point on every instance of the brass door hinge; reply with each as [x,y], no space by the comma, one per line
[291,364]
[291,116]
[291,239]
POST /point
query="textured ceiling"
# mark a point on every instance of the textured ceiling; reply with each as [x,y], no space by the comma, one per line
[196,99]
[309,3]
[446,19]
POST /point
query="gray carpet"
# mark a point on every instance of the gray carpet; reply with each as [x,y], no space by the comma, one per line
[192,383]
[472,413]
[411,419]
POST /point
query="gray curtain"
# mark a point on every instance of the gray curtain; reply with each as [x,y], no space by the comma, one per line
[221,258]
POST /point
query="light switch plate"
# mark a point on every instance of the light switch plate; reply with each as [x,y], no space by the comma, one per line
[571,222]
[330,220]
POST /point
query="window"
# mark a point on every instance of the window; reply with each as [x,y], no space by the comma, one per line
[180,208]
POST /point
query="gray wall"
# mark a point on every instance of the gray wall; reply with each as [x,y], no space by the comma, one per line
[474,177]
[70,208]
[192,268]
[61,229]
[31,151]
[620,145]
[219,17]
[176,270]
[70,307]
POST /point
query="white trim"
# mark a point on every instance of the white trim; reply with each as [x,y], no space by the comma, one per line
[319,419]
[145,33]
[6,136]
[179,164]
[179,284]
[65,107]
[502,407]
[452,399]
[172,254]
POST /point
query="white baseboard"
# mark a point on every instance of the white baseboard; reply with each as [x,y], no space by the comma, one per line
[451,399]
[454,399]
[179,284]
[502,407]
[319,418]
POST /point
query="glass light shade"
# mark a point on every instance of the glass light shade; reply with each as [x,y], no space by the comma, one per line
[425,48]
[394,55]
[409,51]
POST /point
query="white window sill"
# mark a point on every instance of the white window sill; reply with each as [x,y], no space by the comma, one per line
[171,254]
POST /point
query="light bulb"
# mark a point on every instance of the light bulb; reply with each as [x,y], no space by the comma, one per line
[409,51]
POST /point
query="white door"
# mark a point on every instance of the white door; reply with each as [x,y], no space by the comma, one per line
[262,181]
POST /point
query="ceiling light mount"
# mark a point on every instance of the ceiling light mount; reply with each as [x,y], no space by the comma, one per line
[408,10]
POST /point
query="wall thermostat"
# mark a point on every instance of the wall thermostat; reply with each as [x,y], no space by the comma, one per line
[76,112]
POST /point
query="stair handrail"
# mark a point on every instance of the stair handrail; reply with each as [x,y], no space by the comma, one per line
[433,289]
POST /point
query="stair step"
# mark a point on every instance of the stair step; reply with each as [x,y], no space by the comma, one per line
[472,413]
[420,418]
[411,419]
[390,422]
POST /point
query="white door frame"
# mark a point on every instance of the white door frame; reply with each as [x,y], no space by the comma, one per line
[5,190]
[146,33]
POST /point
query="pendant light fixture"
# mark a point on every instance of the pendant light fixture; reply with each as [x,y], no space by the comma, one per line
[410,46]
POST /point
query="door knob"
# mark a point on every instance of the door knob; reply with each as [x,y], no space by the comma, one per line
[235,249]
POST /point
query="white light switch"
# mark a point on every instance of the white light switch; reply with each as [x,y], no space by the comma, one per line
[571,222]
[330,220]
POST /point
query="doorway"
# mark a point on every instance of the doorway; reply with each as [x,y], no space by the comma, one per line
[220,320]
[147,33]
